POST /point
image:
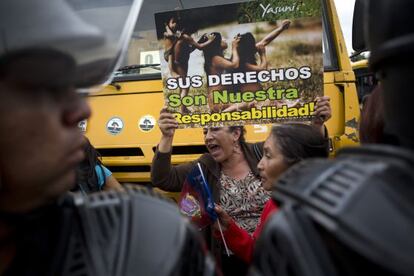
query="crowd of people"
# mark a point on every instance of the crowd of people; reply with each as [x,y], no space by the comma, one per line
[231,168]
[44,230]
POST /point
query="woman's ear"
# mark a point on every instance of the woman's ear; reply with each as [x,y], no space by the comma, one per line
[237,134]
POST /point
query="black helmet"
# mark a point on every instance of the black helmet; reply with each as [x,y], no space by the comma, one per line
[389,33]
[390,37]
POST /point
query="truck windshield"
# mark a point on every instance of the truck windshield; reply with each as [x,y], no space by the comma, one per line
[142,60]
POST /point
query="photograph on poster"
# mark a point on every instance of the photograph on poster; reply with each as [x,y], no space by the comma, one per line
[245,63]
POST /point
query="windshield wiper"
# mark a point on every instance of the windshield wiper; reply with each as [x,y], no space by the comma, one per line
[137,67]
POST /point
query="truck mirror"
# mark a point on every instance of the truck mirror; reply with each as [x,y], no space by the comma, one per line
[358,27]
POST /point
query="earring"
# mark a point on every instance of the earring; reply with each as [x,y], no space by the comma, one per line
[236,144]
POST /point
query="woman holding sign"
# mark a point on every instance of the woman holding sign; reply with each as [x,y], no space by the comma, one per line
[230,168]
[287,145]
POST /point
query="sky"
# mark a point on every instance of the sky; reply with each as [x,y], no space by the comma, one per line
[345,9]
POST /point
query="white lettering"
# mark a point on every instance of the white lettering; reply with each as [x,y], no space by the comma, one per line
[172,84]
[305,72]
[196,81]
[213,80]
[226,79]
[250,77]
[263,76]
[276,10]
[281,74]
[264,9]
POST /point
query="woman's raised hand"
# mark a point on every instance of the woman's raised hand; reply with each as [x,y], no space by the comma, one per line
[323,113]
[167,123]
[323,109]
[236,41]
[211,37]
[286,24]
[261,49]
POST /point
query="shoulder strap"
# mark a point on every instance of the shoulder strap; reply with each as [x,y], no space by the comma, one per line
[257,151]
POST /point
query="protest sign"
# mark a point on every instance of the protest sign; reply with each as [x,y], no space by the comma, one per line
[248,63]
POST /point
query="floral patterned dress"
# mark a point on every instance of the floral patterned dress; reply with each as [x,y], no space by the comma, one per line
[243,200]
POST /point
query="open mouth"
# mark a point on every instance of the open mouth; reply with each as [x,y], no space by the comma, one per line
[213,148]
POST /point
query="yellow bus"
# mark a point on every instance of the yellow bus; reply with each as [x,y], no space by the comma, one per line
[123,125]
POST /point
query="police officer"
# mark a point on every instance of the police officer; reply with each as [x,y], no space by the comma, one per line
[49,51]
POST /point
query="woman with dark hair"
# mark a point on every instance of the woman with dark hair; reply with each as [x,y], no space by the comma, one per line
[287,145]
[216,64]
[178,45]
[248,47]
[92,176]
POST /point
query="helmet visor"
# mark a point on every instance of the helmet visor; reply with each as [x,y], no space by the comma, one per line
[95,33]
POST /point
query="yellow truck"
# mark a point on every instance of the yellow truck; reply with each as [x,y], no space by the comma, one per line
[123,125]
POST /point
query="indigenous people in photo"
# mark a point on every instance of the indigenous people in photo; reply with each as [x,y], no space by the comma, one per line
[178,45]
[287,145]
[248,47]
[216,64]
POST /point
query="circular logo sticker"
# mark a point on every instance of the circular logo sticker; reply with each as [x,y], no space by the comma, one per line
[146,123]
[82,125]
[114,125]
